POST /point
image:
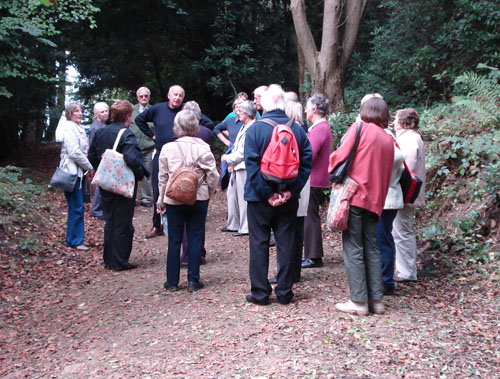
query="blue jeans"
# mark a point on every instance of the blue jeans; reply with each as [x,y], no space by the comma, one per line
[385,243]
[75,232]
[194,216]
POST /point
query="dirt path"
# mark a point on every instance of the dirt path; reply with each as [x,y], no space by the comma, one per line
[96,323]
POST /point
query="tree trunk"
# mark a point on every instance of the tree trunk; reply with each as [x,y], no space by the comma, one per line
[56,105]
[327,67]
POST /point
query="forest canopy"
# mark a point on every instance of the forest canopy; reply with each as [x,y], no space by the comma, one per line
[216,48]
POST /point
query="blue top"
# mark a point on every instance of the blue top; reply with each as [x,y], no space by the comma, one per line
[256,141]
[163,118]
[232,125]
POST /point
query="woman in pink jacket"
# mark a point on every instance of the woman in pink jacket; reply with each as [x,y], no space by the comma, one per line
[371,168]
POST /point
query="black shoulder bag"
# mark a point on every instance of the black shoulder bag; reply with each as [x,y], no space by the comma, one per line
[340,171]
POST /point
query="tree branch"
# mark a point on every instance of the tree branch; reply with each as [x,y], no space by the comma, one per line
[304,36]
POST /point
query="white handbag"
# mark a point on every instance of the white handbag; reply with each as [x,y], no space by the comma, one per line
[113,174]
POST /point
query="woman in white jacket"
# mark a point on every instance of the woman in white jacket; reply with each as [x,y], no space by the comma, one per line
[246,112]
[393,202]
[410,142]
[74,160]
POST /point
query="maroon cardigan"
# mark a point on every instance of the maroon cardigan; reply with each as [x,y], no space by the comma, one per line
[371,167]
[320,138]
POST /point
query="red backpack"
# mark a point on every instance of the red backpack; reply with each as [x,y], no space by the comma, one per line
[280,162]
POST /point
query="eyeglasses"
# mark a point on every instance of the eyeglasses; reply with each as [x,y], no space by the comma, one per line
[143,95]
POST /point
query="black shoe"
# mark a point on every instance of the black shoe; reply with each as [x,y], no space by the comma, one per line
[170,287]
[238,234]
[226,230]
[129,266]
[284,301]
[146,204]
[273,280]
[195,286]
[389,291]
[251,299]
[203,261]
[310,262]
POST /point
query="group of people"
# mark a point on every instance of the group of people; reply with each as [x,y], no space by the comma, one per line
[379,245]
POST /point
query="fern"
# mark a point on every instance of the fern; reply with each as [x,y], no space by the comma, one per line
[483,96]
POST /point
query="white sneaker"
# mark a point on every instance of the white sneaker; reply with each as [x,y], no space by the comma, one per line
[82,247]
[353,307]
[376,306]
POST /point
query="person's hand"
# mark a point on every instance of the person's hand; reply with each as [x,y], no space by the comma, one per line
[285,196]
[274,200]
[160,208]
[230,168]
[223,158]
[90,174]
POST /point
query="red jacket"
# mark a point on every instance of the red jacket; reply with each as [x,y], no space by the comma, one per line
[371,167]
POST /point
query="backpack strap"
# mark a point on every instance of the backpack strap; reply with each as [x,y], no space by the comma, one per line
[182,153]
[273,123]
[117,140]
[184,157]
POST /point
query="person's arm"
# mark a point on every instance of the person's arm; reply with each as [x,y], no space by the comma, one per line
[72,144]
[142,121]
[207,163]
[132,155]
[93,154]
[238,155]
[207,122]
[255,145]
[218,132]
[162,175]
[305,166]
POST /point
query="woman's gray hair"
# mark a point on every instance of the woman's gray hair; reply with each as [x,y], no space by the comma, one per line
[320,103]
[186,124]
[249,108]
[194,107]
[98,106]
[71,108]
[294,111]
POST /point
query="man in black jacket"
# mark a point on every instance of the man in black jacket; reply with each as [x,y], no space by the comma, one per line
[118,210]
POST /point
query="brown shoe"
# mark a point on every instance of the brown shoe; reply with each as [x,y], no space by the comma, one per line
[155,232]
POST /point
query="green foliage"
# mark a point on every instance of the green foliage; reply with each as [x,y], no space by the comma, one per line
[228,61]
[411,55]
[18,199]
[17,195]
[462,160]
[483,95]
[27,26]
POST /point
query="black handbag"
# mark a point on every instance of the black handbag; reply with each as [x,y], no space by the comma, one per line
[340,171]
[63,180]
[411,185]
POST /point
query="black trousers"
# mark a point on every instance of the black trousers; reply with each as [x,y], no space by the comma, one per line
[297,249]
[118,211]
[313,240]
[262,218]
[155,166]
